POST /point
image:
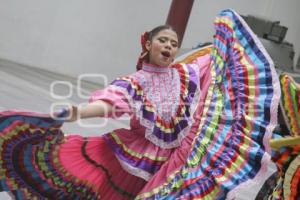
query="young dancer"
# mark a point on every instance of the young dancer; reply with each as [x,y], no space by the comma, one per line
[197,129]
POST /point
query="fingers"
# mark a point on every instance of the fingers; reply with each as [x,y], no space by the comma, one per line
[73,114]
[69,114]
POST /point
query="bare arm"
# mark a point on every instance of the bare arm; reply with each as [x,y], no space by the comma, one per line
[97,108]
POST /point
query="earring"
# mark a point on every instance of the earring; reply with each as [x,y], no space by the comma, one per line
[143,54]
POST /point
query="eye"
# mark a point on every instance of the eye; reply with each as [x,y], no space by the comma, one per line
[162,40]
[174,44]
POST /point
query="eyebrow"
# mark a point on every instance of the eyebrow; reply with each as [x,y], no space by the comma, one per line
[165,37]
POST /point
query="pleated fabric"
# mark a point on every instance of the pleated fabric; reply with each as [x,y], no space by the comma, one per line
[230,148]
[38,162]
[287,179]
[290,103]
[287,159]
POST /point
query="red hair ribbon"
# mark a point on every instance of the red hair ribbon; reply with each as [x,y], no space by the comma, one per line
[144,39]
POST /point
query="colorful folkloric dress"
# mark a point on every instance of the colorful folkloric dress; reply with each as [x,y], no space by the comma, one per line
[285,184]
[198,129]
[290,103]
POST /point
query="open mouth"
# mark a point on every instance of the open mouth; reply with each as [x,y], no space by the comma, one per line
[166,54]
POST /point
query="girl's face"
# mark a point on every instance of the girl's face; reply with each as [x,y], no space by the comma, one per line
[163,47]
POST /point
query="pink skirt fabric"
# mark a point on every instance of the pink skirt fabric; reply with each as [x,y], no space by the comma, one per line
[39,162]
[92,162]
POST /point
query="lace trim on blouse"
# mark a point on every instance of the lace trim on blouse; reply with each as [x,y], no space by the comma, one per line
[150,125]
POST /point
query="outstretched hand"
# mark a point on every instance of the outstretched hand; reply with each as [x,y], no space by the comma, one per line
[72,114]
[69,114]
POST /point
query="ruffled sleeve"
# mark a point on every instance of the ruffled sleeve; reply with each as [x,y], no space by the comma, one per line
[114,97]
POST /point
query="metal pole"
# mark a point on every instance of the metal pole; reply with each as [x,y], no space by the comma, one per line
[178,16]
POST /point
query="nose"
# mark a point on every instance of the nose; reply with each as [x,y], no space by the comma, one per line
[168,45]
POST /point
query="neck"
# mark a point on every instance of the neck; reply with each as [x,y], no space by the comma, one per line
[155,68]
